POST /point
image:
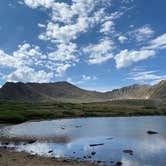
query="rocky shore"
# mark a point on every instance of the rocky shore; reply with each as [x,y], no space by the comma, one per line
[12,158]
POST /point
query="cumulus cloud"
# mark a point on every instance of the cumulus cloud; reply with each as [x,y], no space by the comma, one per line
[107,26]
[68,22]
[126,57]
[99,52]
[64,52]
[29,64]
[64,34]
[6,60]
[26,74]
[61,68]
[37,3]
[26,54]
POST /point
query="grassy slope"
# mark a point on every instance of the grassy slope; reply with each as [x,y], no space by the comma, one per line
[15,112]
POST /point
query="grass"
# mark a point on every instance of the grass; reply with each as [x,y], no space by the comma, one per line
[16,112]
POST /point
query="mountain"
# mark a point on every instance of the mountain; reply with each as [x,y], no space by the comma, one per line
[46,92]
[64,91]
[158,91]
[135,91]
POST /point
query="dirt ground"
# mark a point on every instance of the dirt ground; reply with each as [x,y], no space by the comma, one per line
[12,158]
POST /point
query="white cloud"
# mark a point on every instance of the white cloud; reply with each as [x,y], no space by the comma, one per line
[25,55]
[158,43]
[27,51]
[37,3]
[41,25]
[26,74]
[99,52]
[84,78]
[66,33]
[29,64]
[69,20]
[67,23]
[122,39]
[153,146]
[130,162]
[126,1]
[132,26]
[64,52]
[126,57]
[6,60]
[143,33]
[87,78]
[143,76]
[61,68]
[107,27]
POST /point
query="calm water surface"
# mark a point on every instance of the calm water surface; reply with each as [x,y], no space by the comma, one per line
[73,137]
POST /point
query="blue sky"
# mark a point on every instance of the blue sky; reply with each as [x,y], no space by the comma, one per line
[99,45]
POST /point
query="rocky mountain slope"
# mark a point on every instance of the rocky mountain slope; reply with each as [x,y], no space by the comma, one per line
[45,92]
[135,91]
[64,91]
[158,91]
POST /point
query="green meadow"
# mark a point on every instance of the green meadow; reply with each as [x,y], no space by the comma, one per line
[16,112]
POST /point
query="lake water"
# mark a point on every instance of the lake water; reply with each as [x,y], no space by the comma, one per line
[73,138]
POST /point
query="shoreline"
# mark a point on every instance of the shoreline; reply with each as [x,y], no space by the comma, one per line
[9,157]
[4,123]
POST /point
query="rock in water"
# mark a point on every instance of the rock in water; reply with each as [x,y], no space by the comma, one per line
[119,163]
[130,152]
[152,132]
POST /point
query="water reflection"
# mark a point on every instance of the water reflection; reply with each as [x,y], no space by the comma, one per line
[115,134]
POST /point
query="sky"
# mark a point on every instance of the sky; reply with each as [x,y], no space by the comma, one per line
[94,44]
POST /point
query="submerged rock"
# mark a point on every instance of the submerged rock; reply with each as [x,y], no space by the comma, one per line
[119,163]
[50,151]
[93,153]
[5,143]
[31,141]
[89,157]
[128,151]
[3,147]
[78,126]
[109,138]
[152,132]
[96,144]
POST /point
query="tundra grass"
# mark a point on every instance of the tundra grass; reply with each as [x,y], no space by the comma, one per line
[16,112]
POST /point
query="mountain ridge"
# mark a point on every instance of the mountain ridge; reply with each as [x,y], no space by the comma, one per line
[38,92]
